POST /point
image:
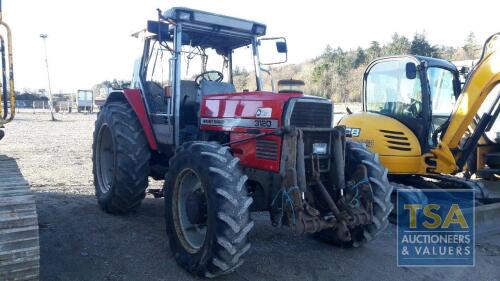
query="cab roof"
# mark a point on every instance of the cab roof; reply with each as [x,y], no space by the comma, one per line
[208,30]
[430,62]
[434,62]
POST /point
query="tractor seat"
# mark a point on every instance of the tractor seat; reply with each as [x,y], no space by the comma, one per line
[208,88]
[156,96]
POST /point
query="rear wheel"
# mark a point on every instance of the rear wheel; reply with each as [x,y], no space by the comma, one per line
[207,209]
[120,159]
[356,154]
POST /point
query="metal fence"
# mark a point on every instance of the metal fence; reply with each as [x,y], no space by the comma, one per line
[38,106]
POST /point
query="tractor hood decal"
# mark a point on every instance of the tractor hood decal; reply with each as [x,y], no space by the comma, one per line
[238,112]
[229,123]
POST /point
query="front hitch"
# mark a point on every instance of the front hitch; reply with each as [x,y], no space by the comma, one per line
[349,203]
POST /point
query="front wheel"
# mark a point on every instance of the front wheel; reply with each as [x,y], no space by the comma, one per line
[207,209]
[356,154]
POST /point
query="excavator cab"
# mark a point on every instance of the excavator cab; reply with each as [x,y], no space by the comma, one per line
[424,124]
[417,91]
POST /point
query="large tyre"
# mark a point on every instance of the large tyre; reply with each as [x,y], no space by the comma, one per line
[207,209]
[357,153]
[120,156]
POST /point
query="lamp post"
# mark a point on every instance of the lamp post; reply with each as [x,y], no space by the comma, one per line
[44,38]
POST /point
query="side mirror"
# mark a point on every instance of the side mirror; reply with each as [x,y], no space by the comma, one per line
[411,71]
[158,28]
[273,50]
[464,70]
[281,47]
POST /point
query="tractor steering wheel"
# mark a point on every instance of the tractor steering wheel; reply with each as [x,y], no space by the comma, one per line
[211,75]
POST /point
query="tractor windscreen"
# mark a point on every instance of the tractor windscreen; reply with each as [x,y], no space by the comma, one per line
[390,91]
[236,68]
[197,60]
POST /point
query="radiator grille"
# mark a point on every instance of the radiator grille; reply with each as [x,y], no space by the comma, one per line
[311,114]
[266,149]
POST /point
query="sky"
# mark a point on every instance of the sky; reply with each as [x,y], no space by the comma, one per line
[89,41]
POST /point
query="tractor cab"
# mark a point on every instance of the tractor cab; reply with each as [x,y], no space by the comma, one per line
[417,91]
[190,54]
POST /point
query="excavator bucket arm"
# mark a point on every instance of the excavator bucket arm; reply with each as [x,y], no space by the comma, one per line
[483,78]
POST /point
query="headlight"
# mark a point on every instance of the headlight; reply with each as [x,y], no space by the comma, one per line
[182,15]
[259,29]
[319,148]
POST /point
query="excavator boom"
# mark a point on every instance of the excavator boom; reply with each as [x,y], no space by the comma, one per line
[482,80]
[480,83]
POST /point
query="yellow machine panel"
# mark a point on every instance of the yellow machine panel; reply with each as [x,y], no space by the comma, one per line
[397,146]
[382,134]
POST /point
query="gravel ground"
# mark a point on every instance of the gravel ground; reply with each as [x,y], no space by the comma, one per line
[80,242]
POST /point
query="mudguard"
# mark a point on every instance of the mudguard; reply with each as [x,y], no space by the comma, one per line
[134,98]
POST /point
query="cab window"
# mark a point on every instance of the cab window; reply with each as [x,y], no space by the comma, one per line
[442,97]
[442,91]
[390,92]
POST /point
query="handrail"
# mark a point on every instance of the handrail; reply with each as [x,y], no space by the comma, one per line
[4,114]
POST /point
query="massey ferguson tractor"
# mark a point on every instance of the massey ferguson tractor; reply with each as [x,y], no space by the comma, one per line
[225,153]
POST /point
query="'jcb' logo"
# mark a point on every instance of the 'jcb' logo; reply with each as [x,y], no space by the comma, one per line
[432,219]
[354,132]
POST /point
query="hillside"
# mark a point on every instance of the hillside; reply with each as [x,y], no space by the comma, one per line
[337,73]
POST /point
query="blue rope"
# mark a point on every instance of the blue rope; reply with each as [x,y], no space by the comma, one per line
[363,181]
[285,198]
[355,187]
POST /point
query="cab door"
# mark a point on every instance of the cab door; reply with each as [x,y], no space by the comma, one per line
[397,87]
[443,93]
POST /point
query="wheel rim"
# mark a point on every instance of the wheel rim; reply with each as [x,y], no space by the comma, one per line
[105,159]
[190,210]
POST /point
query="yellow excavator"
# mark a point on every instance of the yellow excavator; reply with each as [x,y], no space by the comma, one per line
[424,124]
[19,240]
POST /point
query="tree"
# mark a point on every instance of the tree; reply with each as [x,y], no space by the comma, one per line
[471,48]
[240,78]
[359,58]
[374,51]
[451,53]
[420,46]
[400,45]
[328,53]
[338,74]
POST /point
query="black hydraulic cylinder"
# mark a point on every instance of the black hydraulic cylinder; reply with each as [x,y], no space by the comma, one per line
[338,158]
[301,169]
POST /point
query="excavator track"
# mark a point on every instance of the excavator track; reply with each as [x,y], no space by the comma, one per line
[482,193]
[19,241]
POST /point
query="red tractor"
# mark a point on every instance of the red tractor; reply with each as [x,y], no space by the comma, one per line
[225,153]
